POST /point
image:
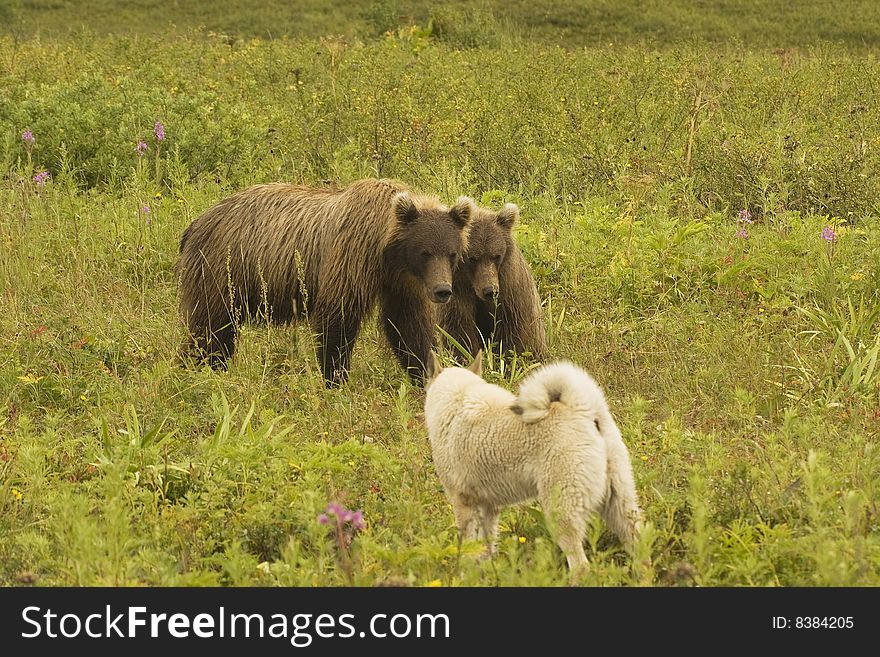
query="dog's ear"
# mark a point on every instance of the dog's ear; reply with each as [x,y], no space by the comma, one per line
[477,366]
[434,366]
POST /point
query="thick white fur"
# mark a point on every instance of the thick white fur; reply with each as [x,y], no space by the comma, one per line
[556,442]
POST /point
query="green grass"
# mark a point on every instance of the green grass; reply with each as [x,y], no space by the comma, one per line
[742,371]
[755,23]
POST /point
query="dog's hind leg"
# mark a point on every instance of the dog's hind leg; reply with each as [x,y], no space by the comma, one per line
[490,516]
[467,516]
[570,538]
[566,513]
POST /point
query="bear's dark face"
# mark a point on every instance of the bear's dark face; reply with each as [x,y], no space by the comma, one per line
[432,240]
[489,243]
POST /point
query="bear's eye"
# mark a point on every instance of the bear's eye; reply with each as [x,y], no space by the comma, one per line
[496,258]
[473,260]
[453,257]
[426,254]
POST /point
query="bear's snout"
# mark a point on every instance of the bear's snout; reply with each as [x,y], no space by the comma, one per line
[442,293]
[489,292]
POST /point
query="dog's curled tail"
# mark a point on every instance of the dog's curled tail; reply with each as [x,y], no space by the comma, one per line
[562,382]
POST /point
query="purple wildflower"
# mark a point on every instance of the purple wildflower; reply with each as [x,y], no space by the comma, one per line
[343,535]
[342,516]
[357,519]
[828,234]
[744,216]
[27,137]
[141,148]
[42,177]
[159,131]
[145,209]
[742,233]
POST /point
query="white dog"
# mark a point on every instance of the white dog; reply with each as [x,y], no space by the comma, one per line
[556,442]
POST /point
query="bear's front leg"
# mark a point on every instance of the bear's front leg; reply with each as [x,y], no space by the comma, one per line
[335,340]
[211,339]
[458,322]
[408,324]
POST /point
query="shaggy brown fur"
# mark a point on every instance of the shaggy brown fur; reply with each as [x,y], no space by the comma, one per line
[495,298]
[280,252]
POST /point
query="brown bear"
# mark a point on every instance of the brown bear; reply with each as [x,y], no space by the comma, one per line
[279,252]
[495,299]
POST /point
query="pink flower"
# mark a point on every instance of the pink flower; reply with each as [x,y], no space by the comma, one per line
[42,177]
[27,137]
[343,516]
[159,131]
[357,519]
[828,234]
[141,148]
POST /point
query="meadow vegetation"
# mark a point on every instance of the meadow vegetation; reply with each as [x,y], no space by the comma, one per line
[699,207]
[570,23]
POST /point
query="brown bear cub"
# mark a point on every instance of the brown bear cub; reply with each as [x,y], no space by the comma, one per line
[280,252]
[495,299]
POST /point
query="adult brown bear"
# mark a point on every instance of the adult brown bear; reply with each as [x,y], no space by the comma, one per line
[280,252]
[495,299]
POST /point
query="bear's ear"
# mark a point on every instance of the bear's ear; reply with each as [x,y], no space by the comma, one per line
[477,366]
[404,208]
[507,216]
[462,210]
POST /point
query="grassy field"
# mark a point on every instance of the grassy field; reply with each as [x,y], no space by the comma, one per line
[757,24]
[700,209]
